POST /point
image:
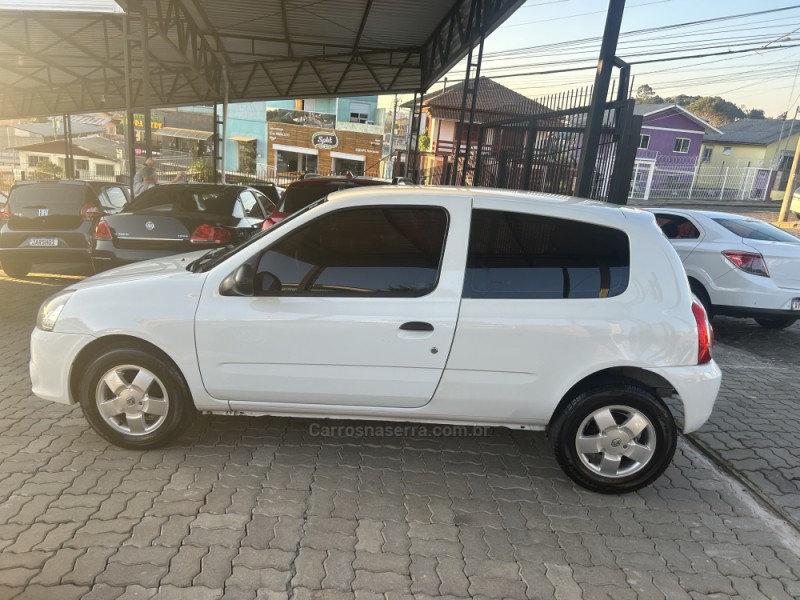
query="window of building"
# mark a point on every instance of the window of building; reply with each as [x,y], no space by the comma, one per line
[707,152]
[341,166]
[34,160]
[516,255]
[644,141]
[359,112]
[682,145]
[103,170]
[785,163]
[726,150]
[376,252]
[295,162]
[81,164]
[676,227]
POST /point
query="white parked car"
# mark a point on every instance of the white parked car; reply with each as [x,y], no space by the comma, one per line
[737,266]
[472,307]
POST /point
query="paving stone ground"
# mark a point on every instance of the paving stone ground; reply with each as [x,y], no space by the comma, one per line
[242,508]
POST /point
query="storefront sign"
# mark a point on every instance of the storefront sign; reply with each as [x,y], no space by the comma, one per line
[325,140]
[138,121]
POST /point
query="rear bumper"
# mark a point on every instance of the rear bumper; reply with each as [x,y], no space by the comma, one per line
[46,255]
[739,294]
[697,387]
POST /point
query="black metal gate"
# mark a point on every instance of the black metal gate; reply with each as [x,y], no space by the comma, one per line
[541,151]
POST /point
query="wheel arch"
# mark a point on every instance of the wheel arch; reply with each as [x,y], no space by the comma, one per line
[101,344]
[654,382]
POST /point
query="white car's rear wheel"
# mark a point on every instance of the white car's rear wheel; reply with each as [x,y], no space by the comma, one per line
[134,399]
[614,438]
[776,322]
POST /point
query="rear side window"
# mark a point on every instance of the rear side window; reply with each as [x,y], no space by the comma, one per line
[378,252]
[116,197]
[757,230]
[676,227]
[517,255]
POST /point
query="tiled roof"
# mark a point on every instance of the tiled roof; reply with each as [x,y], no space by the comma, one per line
[89,147]
[756,132]
[493,101]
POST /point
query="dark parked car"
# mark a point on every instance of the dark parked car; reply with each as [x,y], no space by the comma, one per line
[171,219]
[304,192]
[53,221]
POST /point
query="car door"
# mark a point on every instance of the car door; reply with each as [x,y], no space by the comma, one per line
[351,309]
[683,233]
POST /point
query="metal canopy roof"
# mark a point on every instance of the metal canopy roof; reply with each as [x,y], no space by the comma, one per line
[56,63]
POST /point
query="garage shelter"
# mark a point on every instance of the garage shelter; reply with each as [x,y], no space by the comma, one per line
[198,51]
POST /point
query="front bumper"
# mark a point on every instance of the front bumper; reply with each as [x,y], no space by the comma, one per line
[697,387]
[52,357]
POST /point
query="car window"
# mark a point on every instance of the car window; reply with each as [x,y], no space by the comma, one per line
[517,255]
[300,196]
[752,229]
[265,201]
[377,251]
[250,205]
[676,227]
[115,197]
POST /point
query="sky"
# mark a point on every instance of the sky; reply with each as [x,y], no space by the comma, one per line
[544,35]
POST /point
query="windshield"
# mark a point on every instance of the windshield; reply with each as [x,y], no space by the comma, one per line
[751,229]
[174,199]
[33,195]
[196,265]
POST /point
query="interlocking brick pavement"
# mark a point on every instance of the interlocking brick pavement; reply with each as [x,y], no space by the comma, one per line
[755,427]
[241,508]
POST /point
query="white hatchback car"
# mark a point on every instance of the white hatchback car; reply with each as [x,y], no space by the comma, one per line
[737,266]
[461,306]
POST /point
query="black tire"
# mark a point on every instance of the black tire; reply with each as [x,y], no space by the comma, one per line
[658,438]
[16,269]
[702,295]
[776,322]
[165,405]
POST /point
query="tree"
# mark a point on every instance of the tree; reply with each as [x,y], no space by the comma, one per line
[201,169]
[48,168]
[755,113]
[682,99]
[646,95]
[716,110]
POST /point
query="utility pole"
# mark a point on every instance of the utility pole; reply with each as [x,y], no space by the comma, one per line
[787,195]
[602,80]
[391,139]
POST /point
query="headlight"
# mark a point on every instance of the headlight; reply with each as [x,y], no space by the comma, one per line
[51,309]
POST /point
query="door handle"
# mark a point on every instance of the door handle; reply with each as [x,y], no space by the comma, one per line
[416,326]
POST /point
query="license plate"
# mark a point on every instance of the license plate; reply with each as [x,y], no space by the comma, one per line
[796,304]
[47,242]
[43,212]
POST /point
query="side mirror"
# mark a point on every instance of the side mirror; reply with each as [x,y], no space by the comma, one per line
[239,283]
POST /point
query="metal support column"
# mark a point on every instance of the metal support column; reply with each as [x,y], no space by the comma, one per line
[69,162]
[129,131]
[146,81]
[594,122]
[224,124]
[527,169]
[472,108]
[216,146]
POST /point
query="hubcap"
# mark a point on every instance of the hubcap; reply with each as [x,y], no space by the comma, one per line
[132,400]
[616,441]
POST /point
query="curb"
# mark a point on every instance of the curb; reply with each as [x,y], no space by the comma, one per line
[760,495]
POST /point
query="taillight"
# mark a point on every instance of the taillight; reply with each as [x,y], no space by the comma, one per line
[102,231]
[267,224]
[5,212]
[705,333]
[90,211]
[749,262]
[210,233]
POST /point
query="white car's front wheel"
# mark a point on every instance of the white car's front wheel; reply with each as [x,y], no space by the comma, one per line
[134,399]
[614,438]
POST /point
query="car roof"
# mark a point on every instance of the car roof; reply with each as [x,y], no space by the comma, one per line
[328,179]
[390,192]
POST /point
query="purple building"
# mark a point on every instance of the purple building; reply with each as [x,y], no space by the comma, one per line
[669,149]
